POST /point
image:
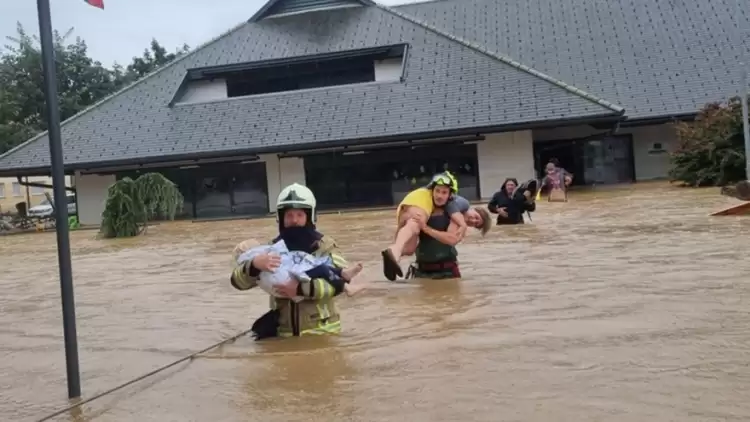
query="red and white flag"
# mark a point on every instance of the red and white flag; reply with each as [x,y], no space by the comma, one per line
[96,3]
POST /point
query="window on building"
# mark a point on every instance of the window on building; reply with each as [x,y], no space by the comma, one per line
[17,189]
[2,190]
[291,74]
[36,190]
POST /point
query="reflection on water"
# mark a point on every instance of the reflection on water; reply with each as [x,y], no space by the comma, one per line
[625,305]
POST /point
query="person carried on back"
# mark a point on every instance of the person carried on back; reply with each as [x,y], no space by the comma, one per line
[415,210]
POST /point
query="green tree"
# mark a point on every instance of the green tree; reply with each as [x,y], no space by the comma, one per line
[152,59]
[131,204]
[81,81]
[711,150]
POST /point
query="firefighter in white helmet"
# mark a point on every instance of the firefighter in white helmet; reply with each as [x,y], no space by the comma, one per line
[296,214]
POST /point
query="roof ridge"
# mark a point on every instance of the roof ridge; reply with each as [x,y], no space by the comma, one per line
[271,3]
[128,87]
[505,59]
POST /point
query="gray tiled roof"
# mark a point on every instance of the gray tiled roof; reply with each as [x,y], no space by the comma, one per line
[448,86]
[653,57]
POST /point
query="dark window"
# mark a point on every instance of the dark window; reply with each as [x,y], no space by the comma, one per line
[291,74]
[301,76]
[217,190]
[385,176]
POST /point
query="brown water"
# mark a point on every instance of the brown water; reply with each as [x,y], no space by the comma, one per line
[625,305]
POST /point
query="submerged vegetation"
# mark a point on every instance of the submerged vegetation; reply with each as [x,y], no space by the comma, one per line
[711,149]
[131,204]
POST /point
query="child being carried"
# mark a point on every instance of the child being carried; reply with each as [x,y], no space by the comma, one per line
[297,264]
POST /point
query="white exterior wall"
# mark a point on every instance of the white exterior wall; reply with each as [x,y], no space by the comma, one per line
[649,164]
[201,91]
[280,173]
[12,192]
[91,191]
[503,155]
[388,69]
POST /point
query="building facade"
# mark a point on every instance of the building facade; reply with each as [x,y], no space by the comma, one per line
[12,191]
[364,102]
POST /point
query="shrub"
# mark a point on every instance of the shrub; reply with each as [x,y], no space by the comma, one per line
[711,149]
[131,204]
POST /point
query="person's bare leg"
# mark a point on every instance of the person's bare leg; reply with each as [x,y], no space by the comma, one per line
[350,272]
[411,246]
[408,230]
[408,233]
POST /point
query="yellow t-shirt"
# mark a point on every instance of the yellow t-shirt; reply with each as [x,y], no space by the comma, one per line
[421,198]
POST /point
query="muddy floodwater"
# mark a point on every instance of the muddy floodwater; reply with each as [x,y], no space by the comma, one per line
[625,304]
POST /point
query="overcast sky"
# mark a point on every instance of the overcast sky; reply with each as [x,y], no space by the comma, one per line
[125,27]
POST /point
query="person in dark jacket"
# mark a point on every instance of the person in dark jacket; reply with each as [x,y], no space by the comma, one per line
[509,203]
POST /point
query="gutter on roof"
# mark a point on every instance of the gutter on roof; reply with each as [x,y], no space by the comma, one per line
[507,60]
[430,142]
[70,168]
[658,120]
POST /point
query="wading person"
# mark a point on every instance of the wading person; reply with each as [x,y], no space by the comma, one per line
[511,201]
[436,254]
[316,313]
[556,181]
[414,211]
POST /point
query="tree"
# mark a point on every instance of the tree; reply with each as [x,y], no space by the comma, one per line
[153,58]
[81,81]
[711,149]
[131,204]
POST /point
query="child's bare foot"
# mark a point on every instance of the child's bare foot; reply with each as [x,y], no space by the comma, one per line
[349,273]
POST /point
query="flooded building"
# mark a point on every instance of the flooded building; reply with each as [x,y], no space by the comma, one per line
[363,102]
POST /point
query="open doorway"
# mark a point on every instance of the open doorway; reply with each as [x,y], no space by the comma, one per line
[568,153]
[599,160]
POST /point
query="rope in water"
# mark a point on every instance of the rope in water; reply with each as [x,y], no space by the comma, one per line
[142,377]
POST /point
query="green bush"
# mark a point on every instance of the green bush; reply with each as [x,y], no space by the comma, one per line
[711,149]
[131,204]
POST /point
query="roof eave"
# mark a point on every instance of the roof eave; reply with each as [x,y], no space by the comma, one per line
[659,119]
[539,124]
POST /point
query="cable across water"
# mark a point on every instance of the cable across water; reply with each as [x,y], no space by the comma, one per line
[144,376]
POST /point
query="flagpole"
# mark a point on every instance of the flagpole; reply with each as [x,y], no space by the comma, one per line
[60,201]
[745,125]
